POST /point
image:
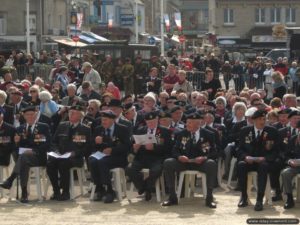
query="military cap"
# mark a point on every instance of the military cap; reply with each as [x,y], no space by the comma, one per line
[180,103]
[163,114]
[127,107]
[259,113]
[141,96]
[174,109]
[194,116]
[285,111]
[77,107]
[115,103]
[294,113]
[151,115]
[108,114]
[29,108]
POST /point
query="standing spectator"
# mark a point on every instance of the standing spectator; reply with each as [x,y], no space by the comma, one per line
[63,78]
[214,64]
[226,71]
[281,67]
[128,75]
[279,86]
[140,74]
[170,79]
[293,73]
[268,80]
[210,84]
[91,75]
[237,73]
[107,69]
[118,76]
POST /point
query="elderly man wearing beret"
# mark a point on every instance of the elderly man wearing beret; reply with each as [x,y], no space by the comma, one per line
[258,149]
[194,149]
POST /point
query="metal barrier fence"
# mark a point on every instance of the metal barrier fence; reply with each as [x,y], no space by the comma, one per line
[35,70]
[195,77]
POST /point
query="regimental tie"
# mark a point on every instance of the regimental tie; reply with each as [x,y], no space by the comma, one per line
[294,131]
[258,134]
[108,132]
[29,132]
[151,131]
[193,136]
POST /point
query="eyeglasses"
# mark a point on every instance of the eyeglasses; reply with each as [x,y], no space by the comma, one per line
[32,91]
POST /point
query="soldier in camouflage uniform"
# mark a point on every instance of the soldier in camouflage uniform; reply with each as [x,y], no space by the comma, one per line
[107,69]
[140,74]
[128,75]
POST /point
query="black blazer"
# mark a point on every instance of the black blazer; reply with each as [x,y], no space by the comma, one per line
[293,150]
[119,142]
[161,149]
[204,147]
[9,114]
[7,145]
[266,146]
[39,141]
[75,140]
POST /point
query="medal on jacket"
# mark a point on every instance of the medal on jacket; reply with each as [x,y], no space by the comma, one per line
[248,139]
[183,142]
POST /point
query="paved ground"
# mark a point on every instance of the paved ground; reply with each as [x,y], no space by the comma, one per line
[190,211]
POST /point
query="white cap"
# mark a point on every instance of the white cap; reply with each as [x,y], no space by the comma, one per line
[150,95]
[86,64]
[250,111]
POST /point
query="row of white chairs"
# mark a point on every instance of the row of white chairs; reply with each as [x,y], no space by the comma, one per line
[119,183]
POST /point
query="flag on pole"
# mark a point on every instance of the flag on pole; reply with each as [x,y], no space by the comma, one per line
[178,20]
[110,20]
[167,22]
[79,20]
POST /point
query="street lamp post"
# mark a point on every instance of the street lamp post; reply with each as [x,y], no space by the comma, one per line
[162,43]
[27,27]
[136,23]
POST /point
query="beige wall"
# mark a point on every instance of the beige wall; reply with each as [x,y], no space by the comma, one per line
[244,15]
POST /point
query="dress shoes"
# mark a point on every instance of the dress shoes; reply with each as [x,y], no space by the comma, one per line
[24,197]
[55,196]
[65,196]
[243,202]
[170,201]
[258,206]
[210,203]
[6,184]
[148,196]
[99,196]
[108,198]
[277,197]
[289,202]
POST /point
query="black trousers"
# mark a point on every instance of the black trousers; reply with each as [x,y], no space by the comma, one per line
[137,177]
[275,170]
[23,164]
[262,175]
[62,167]
[100,169]
[172,166]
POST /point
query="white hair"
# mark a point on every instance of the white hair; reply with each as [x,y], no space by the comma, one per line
[3,96]
[45,96]
[96,102]
[239,105]
[73,86]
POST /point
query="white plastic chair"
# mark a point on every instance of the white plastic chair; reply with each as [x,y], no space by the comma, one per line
[2,170]
[232,165]
[39,174]
[297,179]
[190,182]
[159,186]
[252,180]
[119,183]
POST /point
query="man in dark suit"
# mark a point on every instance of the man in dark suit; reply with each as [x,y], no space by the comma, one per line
[285,135]
[32,140]
[7,133]
[18,105]
[292,159]
[194,150]
[149,155]
[112,140]
[153,83]
[70,137]
[283,118]
[176,115]
[115,105]
[259,147]
[129,112]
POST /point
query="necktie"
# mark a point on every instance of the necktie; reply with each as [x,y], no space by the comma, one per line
[151,131]
[16,109]
[194,138]
[108,132]
[258,134]
[294,131]
[29,130]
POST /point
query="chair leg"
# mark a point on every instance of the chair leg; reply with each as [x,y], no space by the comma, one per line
[268,195]
[38,183]
[232,165]
[157,190]
[1,179]
[72,184]
[117,181]
[180,183]
[92,196]
[124,188]
[47,185]
[298,188]
[204,186]
[162,185]
[80,179]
